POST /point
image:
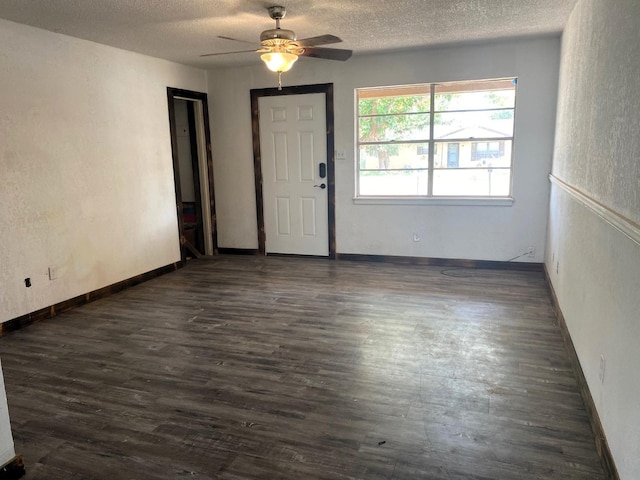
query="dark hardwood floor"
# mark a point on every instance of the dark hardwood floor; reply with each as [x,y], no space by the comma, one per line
[291,368]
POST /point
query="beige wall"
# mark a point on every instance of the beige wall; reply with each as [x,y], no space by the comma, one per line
[498,233]
[593,251]
[85,161]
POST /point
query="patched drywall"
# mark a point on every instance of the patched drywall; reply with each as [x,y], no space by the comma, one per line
[594,266]
[472,232]
[6,439]
[86,166]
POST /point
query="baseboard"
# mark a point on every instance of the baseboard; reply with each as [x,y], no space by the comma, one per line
[13,469]
[442,262]
[238,251]
[602,446]
[58,308]
[438,262]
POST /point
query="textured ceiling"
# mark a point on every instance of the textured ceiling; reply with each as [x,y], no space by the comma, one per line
[181,30]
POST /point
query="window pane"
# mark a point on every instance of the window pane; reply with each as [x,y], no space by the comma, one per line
[474,95]
[475,100]
[394,182]
[384,105]
[472,182]
[395,156]
[482,124]
[473,154]
[394,127]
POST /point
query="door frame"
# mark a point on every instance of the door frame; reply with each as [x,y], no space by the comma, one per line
[327,89]
[202,119]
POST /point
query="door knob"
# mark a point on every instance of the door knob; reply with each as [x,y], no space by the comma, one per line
[322,186]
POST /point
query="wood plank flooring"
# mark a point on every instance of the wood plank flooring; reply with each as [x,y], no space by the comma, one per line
[301,368]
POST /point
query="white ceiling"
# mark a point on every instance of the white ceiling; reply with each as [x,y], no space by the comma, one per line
[181,30]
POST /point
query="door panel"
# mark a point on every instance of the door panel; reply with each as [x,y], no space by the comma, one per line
[283,216]
[292,146]
[280,158]
[309,217]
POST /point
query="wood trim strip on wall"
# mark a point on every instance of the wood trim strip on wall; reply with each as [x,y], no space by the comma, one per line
[442,262]
[621,223]
[422,261]
[58,308]
[238,251]
[602,446]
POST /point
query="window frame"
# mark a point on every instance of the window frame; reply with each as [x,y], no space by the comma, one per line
[433,145]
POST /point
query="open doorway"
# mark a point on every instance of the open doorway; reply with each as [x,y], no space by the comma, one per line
[193,172]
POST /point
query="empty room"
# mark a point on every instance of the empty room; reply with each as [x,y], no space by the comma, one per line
[320,240]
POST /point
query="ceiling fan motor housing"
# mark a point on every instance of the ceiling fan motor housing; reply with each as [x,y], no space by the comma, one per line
[278,34]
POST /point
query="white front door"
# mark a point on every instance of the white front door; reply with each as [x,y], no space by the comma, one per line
[293,148]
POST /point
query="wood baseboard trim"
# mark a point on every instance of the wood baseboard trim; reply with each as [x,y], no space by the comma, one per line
[442,262]
[238,251]
[602,446]
[58,308]
[13,469]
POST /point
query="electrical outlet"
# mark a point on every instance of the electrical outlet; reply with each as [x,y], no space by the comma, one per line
[341,155]
[27,282]
[531,252]
[603,366]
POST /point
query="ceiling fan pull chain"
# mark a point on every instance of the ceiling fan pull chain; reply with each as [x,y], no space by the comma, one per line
[279,80]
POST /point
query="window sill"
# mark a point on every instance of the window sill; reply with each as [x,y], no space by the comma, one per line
[448,201]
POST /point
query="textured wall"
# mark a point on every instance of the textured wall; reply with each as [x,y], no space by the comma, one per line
[86,168]
[598,141]
[497,233]
[594,266]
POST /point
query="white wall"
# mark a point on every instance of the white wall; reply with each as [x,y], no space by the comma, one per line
[85,162]
[595,267]
[477,232]
[6,440]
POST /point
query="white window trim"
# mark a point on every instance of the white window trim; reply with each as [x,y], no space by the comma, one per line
[435,200]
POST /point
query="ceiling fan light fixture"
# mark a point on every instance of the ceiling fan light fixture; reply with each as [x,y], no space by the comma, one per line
[280,49]
[279,61]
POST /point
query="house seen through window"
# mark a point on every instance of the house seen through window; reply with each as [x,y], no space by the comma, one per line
[436,140]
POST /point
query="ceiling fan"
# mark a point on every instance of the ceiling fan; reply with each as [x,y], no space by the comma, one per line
[280,49]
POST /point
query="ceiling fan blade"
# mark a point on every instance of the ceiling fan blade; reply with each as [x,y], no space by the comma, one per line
[227,53]
[235,39]
[328,53]
[319,40]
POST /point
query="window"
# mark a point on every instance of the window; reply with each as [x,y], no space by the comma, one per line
[487,150]
[424,149]
[436,140]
